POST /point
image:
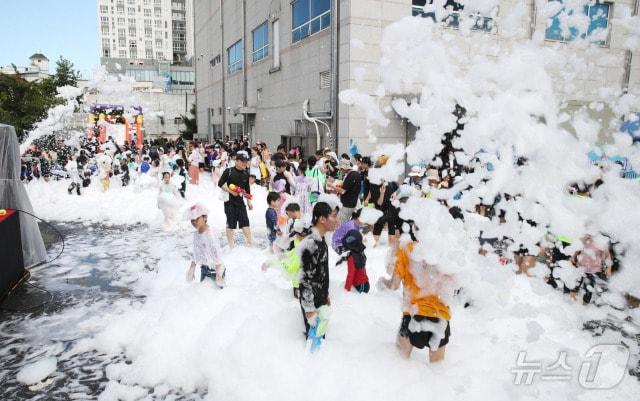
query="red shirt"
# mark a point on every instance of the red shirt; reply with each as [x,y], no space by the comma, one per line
[355,276]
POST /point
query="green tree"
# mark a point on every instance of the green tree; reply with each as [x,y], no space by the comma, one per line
[24,103]
[65,74]
[190,124]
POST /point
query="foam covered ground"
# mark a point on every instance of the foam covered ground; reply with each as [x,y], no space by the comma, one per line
[246,342]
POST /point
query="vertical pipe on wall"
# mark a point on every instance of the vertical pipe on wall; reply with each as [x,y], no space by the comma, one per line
[222,62]
[628,57]
[335,78]
[244,66]
[534,19]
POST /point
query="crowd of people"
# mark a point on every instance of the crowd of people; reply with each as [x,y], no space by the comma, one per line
[310,197]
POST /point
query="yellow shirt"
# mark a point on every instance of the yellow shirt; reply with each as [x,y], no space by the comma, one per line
[416,302]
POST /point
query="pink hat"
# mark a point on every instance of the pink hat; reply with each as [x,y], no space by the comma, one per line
[196,211]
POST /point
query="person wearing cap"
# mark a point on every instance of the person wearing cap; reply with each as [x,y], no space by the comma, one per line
[433,181]
[331,164]
[349,192]
[206,248]
[234,207]
[414,178]
[356,262]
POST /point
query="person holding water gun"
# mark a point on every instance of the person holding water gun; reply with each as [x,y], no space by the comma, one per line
[235,181]
[314,273]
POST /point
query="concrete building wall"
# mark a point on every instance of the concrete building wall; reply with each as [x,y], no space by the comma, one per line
[360,33]
[276,94]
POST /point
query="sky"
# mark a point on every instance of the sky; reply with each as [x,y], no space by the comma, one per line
[67,28]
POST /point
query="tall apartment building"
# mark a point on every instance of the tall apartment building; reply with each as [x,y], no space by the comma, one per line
[272,69]
[150,40]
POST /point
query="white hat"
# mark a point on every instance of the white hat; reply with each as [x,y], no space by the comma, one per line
[333,155]
[432,174]
[416,171]
[196,211]
[404,191]
[345,165]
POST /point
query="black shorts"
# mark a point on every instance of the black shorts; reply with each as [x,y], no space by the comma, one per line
[421,339]
[389,218]
[236,215]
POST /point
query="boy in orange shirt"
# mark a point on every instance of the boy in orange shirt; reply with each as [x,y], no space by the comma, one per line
[425,320]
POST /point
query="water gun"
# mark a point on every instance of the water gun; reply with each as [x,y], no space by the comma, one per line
[316,334]
[238,190]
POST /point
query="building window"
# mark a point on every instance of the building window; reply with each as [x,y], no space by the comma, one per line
[104,9]
[178,26]
[147,2]
[120,21]
[148,23]
[235,131]
[159,55]
[133,53]
[132,31]
[157,12]
[105,43]
[104,20]
[424,8]
[217,129]
[131,10]
[179,36]
[177,120]
[106,52]
[179,47]
[158,24]
[309,17]
[148,43]
[104,29]
[122,32]
[177,16]
[132,22]
[122,42]
[148,32]
[133,44]
[261,42]
[120,10]
[148,53]
[234,57]
[558,28]
[159,43]
[182,77]
[122,54]
[147,12]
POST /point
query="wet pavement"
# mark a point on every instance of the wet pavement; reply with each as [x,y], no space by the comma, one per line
[43,317]
[94,272]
